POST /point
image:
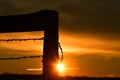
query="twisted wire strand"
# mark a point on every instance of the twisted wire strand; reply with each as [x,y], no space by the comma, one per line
[26,39]
[23,57]
[61,49]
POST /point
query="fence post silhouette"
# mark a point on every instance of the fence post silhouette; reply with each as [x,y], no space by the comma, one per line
[50,52]
[46,20]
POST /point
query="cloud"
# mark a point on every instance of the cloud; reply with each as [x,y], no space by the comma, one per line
[11,7]
[83,44]
[96,17]
[93,64]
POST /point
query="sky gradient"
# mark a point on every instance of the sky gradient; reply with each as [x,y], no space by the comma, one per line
[89,35]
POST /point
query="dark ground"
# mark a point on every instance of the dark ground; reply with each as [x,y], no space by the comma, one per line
[39,77]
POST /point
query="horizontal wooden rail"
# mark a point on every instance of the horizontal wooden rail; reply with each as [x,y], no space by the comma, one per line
[25,22]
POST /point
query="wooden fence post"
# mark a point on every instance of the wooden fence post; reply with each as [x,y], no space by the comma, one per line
[50,52]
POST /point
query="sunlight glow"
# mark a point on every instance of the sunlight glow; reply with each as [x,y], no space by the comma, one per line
[60,67]
[34,69]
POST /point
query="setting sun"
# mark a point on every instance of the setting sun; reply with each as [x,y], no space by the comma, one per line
[60,67]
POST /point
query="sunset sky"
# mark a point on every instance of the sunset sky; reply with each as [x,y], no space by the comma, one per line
[89,34]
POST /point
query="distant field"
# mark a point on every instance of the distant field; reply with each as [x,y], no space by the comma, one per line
[39,77]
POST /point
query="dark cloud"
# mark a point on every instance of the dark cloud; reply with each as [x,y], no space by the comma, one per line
[96,17]
[9,7]
[92,16]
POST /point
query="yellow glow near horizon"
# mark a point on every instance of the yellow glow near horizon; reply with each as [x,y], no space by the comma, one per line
[34,69]
[60,67]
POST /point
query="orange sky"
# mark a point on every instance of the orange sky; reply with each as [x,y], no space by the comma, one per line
[80,51]
[89,35]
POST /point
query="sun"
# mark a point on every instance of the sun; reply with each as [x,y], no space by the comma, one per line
[60,67]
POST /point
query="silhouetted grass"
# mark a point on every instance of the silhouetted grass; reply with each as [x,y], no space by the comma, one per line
[39,77]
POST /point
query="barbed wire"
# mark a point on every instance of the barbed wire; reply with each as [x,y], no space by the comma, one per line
[61,49]
[26,39]
[23,57]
